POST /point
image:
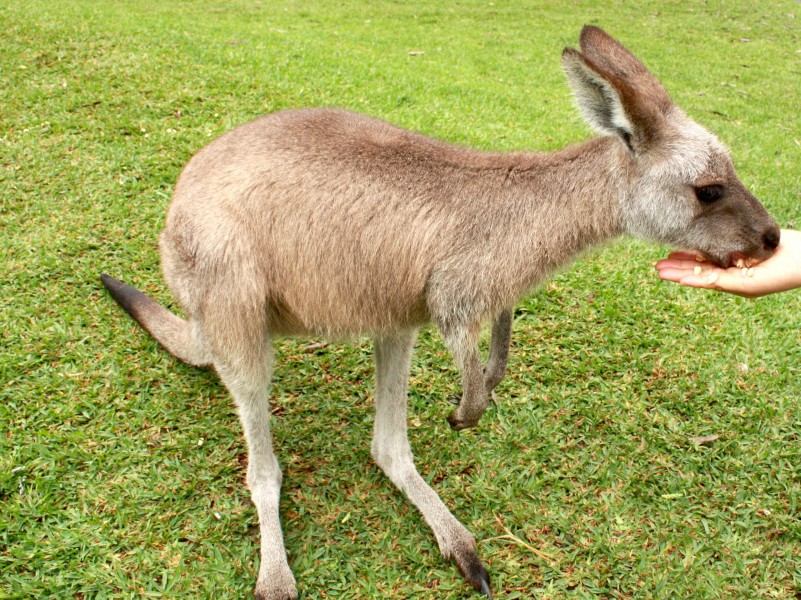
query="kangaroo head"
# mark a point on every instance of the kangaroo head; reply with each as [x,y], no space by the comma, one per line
[678,183]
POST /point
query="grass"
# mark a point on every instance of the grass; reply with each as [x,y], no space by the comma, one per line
[122,471]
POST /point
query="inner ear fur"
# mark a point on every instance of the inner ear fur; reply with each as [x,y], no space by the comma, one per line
[642,96]
[598,100]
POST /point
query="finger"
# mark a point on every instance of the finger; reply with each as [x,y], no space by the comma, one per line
[714,278]
[675,269]
[670,263]
[686,255]
[671,274]
[707,282]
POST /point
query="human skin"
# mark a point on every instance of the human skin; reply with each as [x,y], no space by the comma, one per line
[779,273]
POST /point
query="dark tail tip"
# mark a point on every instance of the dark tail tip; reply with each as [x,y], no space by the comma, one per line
[172,332]
[109,281]
[130,299]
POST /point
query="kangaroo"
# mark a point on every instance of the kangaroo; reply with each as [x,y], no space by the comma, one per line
[325,222]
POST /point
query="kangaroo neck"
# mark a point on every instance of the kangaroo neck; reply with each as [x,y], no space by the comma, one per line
[557,205]
[571,198]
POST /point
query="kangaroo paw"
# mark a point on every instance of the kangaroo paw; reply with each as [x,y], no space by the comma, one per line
[466,414]
[459,422]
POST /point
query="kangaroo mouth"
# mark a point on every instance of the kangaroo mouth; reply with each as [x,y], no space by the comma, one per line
[740,260]
[735,259]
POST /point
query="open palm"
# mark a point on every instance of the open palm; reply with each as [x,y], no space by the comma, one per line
[779,273]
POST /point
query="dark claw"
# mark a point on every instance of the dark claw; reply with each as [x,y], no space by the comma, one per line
[485,589]
[476,575]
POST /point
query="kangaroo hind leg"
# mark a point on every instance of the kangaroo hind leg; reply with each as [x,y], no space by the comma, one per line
[392,453]
[244,360]
[250,391]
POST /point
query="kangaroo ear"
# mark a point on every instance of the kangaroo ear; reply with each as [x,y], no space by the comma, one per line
[616,94]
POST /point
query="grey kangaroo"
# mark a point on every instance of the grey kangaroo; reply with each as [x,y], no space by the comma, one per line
[330,223]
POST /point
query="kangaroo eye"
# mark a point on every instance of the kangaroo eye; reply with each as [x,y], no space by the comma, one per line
[709,193]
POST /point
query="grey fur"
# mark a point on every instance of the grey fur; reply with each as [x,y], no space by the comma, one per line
[330,223]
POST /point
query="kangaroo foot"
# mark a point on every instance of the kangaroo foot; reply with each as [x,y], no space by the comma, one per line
[461,421]
[278,586]
[474,573]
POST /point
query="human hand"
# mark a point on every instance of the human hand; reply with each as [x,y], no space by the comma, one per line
[779,273]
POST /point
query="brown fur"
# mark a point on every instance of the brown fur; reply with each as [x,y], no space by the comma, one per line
[337,245]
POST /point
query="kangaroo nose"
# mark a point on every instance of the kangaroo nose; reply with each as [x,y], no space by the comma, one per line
[770,239]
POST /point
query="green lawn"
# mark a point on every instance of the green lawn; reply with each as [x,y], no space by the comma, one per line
[122,470]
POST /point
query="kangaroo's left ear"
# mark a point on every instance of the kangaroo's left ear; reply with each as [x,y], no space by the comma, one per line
[616,93]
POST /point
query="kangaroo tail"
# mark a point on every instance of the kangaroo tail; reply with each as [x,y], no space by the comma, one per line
[176,335]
